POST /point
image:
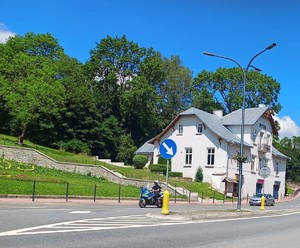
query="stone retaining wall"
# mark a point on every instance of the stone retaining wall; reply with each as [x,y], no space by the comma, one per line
[32,156]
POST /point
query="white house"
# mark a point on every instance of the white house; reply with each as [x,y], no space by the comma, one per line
[212,142]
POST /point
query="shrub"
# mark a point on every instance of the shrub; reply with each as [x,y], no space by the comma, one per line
[75,146]
[139,161]
[175,174]
[199,175]
[162,160]
[160,168]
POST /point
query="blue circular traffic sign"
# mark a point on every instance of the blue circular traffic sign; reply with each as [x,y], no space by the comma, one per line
[167,148]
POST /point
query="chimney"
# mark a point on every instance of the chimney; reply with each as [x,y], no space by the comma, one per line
[218,112]
[261,105]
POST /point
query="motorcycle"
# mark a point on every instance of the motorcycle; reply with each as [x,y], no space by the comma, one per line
[147,198]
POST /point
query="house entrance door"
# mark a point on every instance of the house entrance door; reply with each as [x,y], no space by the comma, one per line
[275,191]
[259,188]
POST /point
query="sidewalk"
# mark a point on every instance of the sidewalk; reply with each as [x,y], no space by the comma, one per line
[13,199]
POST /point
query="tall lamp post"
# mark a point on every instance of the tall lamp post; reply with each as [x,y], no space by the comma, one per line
[245,72]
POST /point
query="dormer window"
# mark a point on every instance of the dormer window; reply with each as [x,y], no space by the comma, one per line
[199,128]
[262,126]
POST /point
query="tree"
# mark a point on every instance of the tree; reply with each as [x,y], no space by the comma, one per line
[30,82]
[176,88]
[291,148]
[123,75]
[126,149]
[118,56]
[140,111]
[226,86]
[205,101]
[110,133]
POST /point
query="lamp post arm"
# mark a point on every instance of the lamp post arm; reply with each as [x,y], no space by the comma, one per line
[223,57]
[267,48]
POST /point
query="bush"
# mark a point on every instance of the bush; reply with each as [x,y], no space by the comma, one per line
[75,146]
[162,160]
[175,174]
[139,161]
[160,168]
[199,175]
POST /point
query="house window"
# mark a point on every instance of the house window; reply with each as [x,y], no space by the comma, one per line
[277,167]
[263,163]
[199,128]
[180,129]
[262,126]
[260,163]
[253,163]
[210,156]
[188,155]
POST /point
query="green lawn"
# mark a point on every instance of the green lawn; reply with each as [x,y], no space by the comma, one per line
[16,178]
[79,184]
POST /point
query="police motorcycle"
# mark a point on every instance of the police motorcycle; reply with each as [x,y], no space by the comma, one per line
[147,198]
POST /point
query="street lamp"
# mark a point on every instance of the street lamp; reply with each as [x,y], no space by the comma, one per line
[245,71]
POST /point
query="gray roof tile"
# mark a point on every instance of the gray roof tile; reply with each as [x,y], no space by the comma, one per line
[214,123]
[251,116]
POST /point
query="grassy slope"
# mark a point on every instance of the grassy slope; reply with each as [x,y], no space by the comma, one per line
[83,185]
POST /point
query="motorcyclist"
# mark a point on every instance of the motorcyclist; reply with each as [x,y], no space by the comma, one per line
[156,189]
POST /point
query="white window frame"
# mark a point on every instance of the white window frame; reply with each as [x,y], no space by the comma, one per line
[211,154]
[253,163]
[188,156]
[180,128]
[199,128]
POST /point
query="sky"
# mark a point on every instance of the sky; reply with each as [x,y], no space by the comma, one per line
[238,29]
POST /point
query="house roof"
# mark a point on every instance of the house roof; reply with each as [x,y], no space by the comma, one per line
[277,153]
[251,116]
[211,121]
[146,148]
[214,123]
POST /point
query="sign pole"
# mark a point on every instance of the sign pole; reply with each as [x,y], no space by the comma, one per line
[167,174]
[167,150]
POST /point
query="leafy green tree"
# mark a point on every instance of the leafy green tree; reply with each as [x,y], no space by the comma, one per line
[205,101]
[176,88]
[226,86]
[291,148]
[108,144]
[140,111]
[126,149]
[30,82]
[122,76]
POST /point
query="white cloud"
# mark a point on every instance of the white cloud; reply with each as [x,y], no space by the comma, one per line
[5,33]
[288,128]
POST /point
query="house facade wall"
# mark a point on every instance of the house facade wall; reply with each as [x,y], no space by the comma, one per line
[199,144]
[259,136]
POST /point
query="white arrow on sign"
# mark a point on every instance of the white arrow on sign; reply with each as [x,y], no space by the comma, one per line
[169,149]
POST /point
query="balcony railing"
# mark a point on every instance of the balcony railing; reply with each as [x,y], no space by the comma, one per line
[264,147]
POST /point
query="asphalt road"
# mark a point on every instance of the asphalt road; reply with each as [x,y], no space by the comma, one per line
[63,225]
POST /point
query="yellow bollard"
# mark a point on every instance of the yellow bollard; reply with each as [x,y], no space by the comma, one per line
[262,204]
[165,207]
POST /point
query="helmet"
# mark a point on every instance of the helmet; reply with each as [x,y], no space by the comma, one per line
[156,181]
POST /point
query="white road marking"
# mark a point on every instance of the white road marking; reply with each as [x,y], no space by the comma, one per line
[80,212]
[119,222]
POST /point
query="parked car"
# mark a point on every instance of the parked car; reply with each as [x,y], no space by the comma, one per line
[256,200]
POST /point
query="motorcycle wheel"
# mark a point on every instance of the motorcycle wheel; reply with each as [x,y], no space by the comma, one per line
[159,203]
[142,203]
